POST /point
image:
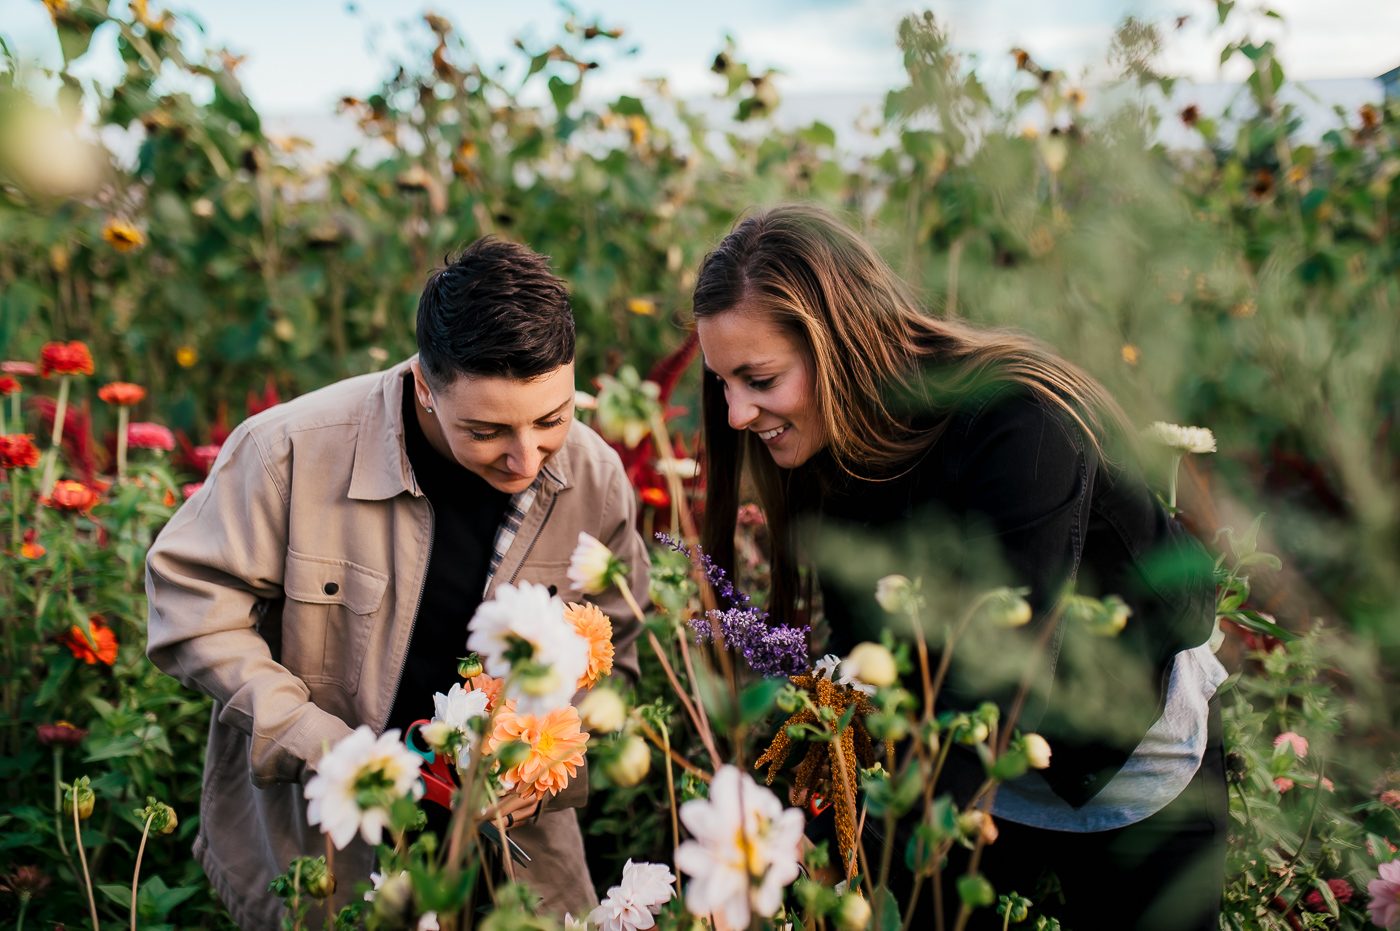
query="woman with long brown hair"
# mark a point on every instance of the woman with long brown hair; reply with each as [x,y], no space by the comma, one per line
[859,417]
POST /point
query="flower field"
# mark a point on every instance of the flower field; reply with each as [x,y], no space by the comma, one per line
[1248,286]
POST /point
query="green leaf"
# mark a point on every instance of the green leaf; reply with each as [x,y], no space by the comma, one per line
[628,106]
[117,892]
[758,699]
[1328,898]
[563,92]
[889,913]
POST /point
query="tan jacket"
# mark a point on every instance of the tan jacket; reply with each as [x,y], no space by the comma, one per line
[242,607]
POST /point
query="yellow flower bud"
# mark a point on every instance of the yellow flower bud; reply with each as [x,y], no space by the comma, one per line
[632,763]
[872,664]
[602,711]
[853,913]
[1037,751]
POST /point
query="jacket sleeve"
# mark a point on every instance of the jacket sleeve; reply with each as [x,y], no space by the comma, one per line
[619,532]
[209,577]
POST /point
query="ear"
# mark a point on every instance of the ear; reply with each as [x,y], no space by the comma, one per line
[421,390]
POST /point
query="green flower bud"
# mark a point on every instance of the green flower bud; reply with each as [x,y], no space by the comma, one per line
[469,667]
[854,912]
[80,792]
[513,754]
[975,891]
[162,816]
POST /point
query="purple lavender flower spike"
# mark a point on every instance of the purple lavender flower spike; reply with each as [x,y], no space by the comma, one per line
[769,651]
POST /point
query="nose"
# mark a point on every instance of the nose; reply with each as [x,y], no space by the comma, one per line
[742,412]
[525,457]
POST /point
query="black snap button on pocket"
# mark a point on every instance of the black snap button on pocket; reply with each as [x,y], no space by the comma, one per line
[331,588]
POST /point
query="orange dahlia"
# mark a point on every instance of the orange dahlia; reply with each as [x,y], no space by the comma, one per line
[17,451]
[65,359]
[121,393]
[557,745]
[593,625]
[492,688]
[102,647]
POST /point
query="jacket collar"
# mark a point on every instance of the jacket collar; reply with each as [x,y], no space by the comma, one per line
[381,470]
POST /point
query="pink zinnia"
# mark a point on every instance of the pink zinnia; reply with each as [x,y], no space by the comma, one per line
[19,368]
[191,488]
[149,436]
[205,455]
[1299,743]
[1385,895]
[1283,783]
[1391,797]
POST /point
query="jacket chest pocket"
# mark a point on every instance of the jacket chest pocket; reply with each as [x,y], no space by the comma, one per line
[330,613]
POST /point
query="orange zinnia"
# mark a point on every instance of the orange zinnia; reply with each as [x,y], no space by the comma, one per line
[65,359]
[72,496]
[593,625]
[104,648]
[557,744]
[121,393]
[656,497]
[17,451]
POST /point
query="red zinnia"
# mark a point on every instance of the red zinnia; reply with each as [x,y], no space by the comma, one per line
[17,451]
[65,359]
[205,455]
[121,393]
[90,652]
[62,733]
[8,386]
[1341,891]
[149,436]
[72,496]
[656,497]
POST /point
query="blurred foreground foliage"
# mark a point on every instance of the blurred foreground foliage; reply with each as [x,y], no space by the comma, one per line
[1248,285]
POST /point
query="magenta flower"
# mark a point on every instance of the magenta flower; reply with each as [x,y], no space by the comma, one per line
[1299,743]
[149,436]
[1385,895]
[205,455]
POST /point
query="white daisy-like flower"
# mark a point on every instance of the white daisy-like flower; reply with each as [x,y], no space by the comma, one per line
[746,848]
[1182,439]
[571,924]
[684,468]
[528,615]
[633,904]
[593,568]
[453,712]
[361,766]
[825,667]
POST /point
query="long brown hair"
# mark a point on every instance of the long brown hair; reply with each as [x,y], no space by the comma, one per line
[881,366]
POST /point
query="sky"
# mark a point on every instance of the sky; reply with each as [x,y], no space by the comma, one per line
[303,55]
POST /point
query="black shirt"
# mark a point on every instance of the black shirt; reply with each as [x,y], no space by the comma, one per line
[467,512]
[1012,493]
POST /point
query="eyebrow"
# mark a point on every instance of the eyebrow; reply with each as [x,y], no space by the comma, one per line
[487,423]
[746,367]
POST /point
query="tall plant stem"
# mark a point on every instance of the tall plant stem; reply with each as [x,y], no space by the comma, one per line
[694,680]
[695,716]
[23,906]
[78,838]
[16,414]
[1176,461]
[16,538]
[57,440]
[58,799]
[136,876]
[662,745]
[122,415]
[671,791]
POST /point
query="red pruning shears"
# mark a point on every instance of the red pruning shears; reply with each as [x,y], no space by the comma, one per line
[438,781]
[440,784]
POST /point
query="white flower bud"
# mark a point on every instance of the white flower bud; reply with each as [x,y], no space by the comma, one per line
[631,764]
[895,594]
[853,913]
[602,711]
[1037,751]
[872,664]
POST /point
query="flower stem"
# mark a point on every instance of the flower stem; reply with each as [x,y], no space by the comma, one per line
[1176,461]
[686,703]
[136,876]
[58,799]
[671,791]
[57,440]
[23,905]
[87,878]
[16,538]
[122,414]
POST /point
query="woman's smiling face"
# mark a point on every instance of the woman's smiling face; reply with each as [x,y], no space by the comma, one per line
[768,382]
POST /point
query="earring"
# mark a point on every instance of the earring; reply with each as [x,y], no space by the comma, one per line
[430,410]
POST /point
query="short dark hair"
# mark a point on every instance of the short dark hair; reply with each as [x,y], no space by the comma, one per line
[496,309]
